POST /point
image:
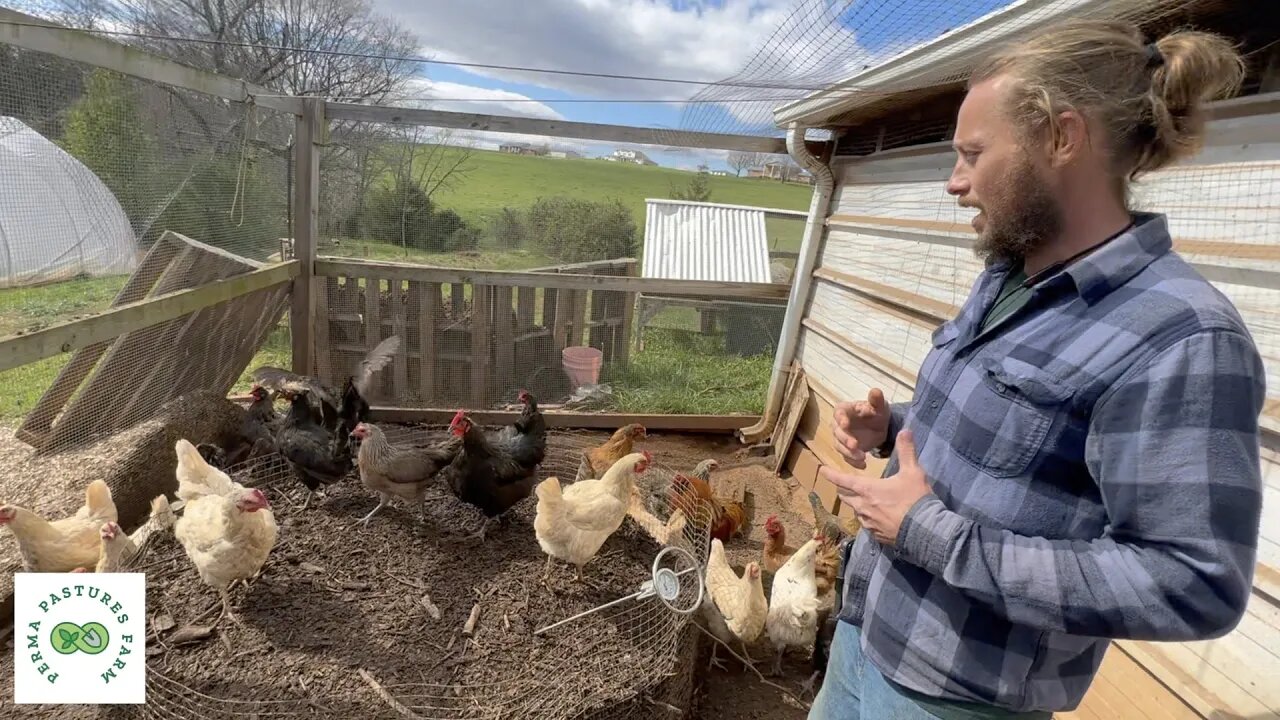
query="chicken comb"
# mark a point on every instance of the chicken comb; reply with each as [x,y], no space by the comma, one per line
[461,415]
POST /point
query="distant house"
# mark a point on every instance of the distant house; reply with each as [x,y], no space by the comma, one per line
[779,170]
[631,156]
[564,154]
[720,173]
[521,149]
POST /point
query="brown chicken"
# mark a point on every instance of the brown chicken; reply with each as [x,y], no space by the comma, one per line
[393,471]
[776,551]
[693,496]
[597,461]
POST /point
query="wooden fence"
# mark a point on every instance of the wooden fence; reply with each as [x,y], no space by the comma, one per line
[473,337]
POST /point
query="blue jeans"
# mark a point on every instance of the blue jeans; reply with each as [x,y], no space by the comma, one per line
[854,689]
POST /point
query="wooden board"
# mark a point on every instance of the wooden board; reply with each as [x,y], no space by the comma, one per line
[794,401]
[139,370]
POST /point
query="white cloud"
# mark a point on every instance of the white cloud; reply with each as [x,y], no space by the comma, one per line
[627,37]
[457,97]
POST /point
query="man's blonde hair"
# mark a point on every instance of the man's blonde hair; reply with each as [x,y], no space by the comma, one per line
[1146,100]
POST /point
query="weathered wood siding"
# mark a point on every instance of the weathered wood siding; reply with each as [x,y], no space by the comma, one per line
[896,261]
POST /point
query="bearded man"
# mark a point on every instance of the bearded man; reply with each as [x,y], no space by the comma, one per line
[1080,461]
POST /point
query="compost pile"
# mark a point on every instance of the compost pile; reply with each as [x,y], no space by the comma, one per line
[348,622]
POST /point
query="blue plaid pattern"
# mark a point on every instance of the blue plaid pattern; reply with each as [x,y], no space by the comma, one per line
[1095,464]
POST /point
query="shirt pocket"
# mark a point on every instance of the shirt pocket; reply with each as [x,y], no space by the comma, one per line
[1007,417]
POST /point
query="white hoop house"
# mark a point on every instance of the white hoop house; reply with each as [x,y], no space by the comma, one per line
[57,218]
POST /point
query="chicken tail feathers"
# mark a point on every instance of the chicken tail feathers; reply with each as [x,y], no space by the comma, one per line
[98,499]
[161,512]
[549,490]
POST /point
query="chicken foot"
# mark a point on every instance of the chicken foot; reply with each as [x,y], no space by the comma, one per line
[777,662]
[226,609]
[807,686]
[715,661]
[383,501]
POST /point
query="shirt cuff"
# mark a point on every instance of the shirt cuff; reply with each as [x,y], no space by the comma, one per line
[928,533]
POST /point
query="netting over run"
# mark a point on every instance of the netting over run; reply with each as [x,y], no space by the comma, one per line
[407,618]
[103,178]
[882,52]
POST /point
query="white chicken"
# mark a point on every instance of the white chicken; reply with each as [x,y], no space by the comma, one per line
[572,523]
[62,545]
[227,530]
[119,549]
[734,607]
[793,605]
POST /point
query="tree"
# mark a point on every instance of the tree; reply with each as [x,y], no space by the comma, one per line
[740,161]
[105,132]
[574,230]
[698,189]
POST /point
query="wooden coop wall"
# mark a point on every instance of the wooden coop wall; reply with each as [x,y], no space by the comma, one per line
[896,262]
[460,347]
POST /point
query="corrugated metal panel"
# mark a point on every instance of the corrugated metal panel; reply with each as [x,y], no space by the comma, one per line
[705,241]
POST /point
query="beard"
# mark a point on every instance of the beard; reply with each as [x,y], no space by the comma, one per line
[1022,216]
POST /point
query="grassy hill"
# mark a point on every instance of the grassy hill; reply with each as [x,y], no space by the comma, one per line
[498,179]
[493,181]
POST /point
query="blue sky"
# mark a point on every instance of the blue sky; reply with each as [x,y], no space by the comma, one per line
[686,39]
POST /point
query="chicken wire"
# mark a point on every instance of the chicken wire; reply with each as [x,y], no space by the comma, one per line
[113,190]
[661,642]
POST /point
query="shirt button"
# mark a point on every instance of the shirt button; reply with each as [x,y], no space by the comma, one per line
[933,404]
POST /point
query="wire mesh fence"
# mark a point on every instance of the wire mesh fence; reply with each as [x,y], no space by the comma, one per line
[115,190]
[412,194]
[384,636]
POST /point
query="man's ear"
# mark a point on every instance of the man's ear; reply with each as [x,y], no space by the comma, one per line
[1071,139]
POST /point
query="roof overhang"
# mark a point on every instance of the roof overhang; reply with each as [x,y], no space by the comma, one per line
[944,60]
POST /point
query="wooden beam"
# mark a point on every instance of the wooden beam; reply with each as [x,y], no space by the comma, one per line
[66,337]
[329,266]
[33,33]
[556,128]
[557,419]
[308,134]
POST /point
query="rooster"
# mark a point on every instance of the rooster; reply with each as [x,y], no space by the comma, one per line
[309,449]
[693,496]
[340,410]
[572,523]
[66,544]
[487,475]
[227,530]
[403,472]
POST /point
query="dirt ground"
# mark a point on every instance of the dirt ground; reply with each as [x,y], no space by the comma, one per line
[333,601]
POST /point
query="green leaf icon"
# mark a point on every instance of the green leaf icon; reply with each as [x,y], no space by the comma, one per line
[68,638]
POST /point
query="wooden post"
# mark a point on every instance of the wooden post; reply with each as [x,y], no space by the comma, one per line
[622,343]
[308,134]
[481,342]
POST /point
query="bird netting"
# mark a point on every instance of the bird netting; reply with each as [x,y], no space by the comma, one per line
[396,621]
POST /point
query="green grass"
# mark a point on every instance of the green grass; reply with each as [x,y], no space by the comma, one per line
[678,372]
[495,180]
[685,373]
[28,309]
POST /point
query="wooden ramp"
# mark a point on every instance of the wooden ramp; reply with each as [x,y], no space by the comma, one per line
[110,386]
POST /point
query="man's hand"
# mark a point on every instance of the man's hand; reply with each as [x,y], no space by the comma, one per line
[860,427]
[881,504]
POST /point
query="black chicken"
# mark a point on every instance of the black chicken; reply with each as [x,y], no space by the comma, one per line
[309,448]
[526,438]
[340,410]
[492,474]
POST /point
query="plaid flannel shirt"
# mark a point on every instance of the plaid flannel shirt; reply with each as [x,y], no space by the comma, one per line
[1095,466]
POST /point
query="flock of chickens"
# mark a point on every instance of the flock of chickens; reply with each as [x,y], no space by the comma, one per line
[228,530]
